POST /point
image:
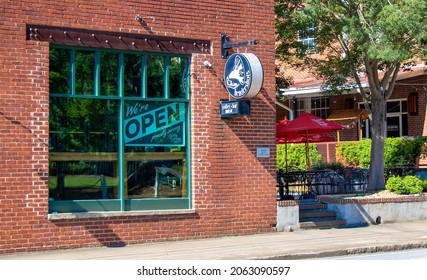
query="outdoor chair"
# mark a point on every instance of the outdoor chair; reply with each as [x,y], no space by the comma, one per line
[326,182]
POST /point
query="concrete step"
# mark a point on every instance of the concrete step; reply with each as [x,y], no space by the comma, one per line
[312,205]
[308,214]
[314,214]
[323,224]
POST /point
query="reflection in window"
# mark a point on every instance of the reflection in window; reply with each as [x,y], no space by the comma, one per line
[84,72]
[178,77]
[59,74]
[148,177]
[83,128]
[133,75]
[109,73]
[155,178]
[155,76]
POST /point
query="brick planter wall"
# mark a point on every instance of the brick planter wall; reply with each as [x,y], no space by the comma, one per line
[287,215]
[360,211]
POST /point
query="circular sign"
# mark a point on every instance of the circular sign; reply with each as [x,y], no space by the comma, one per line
[243,75]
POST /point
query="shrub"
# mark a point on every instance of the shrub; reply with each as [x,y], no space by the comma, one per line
[296,156]
[329,165]
[356,153]
[406,185]
[398,152]
[413,184]
[394,184]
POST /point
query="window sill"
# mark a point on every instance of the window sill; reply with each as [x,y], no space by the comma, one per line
[91,215]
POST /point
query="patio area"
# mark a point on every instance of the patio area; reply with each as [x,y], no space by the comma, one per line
[309,184]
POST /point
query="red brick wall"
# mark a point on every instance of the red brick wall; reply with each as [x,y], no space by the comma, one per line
[417,124]
[233,191]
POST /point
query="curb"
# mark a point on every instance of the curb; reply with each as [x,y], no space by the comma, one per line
[345,252]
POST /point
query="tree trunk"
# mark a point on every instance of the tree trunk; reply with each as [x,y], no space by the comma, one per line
[378,129]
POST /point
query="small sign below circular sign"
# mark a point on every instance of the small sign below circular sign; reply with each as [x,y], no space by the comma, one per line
[243,75]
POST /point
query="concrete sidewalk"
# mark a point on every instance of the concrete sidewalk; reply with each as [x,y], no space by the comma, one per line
[279,245]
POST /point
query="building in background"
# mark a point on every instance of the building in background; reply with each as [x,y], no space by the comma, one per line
[406,108]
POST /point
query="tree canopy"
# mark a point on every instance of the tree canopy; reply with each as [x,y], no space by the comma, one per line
[355,40]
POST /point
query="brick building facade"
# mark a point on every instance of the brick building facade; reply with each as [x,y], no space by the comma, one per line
[228,190]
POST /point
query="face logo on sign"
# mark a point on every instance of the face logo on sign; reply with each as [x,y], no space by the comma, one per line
[236,77]
[243,75]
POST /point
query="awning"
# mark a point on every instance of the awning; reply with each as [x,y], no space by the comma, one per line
[349,114]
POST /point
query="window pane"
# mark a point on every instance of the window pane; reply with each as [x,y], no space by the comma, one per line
[404,124]
[83,149]
[178,77]
[155,149]
[109,73]
[301,104]
[159,172]
[405,106]
[393,126]
[84,72]
[83,125]
[82,180]
[132,75]
[307,37]
[314,104]
[155,76]
[393,107]
[59,71]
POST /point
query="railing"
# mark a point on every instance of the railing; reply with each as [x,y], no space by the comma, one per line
[308,184]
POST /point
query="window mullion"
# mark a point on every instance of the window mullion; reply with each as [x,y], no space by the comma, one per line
[187,78]
[144,76]
[73,72]
[97,74]
[121,155]
[166,60]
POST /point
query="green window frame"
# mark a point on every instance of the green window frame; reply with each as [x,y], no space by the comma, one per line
[119,130]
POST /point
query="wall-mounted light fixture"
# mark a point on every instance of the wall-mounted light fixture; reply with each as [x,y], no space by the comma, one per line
[138,18]
[207,64]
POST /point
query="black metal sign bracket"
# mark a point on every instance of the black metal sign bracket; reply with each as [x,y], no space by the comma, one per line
[226,45]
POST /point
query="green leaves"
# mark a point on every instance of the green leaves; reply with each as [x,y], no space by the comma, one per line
[406,185]
[398,152]
[398,30]
[349,32]
[294,155]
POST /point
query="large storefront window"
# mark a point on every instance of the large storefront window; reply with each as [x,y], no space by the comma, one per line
[119,126]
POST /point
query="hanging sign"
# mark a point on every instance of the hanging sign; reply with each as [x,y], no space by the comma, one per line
[148,124]
[243,75]
[231,108]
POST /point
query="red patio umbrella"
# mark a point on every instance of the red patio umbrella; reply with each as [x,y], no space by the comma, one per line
[306,123]
[307,127]
[310,138]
